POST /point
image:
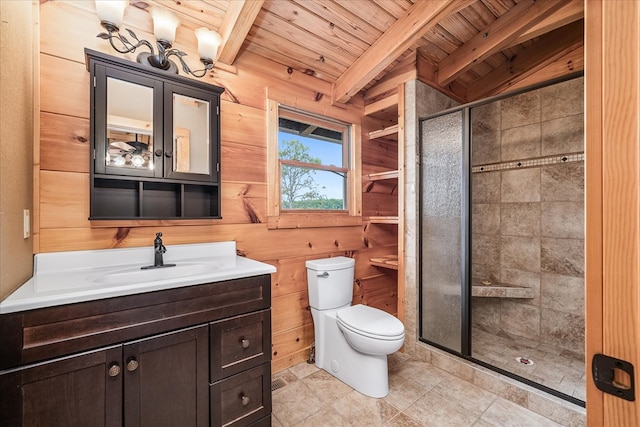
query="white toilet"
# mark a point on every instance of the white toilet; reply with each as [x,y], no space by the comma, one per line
[352,342]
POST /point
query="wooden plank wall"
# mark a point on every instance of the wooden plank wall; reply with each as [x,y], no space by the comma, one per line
[62,193]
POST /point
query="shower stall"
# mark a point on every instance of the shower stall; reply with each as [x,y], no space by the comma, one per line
[502,235]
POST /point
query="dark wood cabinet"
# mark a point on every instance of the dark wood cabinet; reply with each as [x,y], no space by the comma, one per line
[193,356]
[240,352]
[72,391]
[239,343]
[242,399]
[165,379]
[155,142]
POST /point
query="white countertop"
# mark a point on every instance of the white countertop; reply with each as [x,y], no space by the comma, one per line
[68,277]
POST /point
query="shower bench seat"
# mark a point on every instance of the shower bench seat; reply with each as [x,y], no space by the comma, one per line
[500,290]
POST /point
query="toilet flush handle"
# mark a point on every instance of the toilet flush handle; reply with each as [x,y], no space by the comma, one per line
[323,275]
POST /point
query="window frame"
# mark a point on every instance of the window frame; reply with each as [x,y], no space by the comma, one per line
[343,128]
[291,218]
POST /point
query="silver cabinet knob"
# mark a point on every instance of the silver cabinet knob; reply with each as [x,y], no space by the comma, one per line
[245,343]
[132,365]
[245,399]
[114,370]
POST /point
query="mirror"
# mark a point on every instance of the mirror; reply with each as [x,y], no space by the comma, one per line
[129,125]
[191,134]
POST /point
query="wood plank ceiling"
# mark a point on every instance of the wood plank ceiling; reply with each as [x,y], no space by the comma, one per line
[469,49]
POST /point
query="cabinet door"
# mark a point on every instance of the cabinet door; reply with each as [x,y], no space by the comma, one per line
[166,379]
[128,138]
[191,133]
[82,390]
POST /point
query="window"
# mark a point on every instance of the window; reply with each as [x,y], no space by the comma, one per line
[312,154]
[312,170]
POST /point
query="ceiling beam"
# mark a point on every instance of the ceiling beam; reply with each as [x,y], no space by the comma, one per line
[235,26]
[572,62]
[399,37]
[547,49]
[569,13]
[495,37]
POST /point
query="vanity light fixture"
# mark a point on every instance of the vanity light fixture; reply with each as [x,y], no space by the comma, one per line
[165,23]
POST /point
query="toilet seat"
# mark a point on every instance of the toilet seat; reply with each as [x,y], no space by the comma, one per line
[370,322]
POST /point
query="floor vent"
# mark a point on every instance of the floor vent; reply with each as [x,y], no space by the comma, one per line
[276,384]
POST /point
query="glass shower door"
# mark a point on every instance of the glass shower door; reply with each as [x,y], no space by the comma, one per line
[444,224]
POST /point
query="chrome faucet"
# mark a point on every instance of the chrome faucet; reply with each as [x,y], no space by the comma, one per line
[158,250]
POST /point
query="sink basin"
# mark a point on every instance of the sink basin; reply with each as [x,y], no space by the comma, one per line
[154,274]
[126,276]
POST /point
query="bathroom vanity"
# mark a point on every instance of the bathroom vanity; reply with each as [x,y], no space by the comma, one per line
[189,350]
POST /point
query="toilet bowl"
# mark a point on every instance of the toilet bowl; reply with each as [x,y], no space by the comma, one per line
[352,342]
[369,330]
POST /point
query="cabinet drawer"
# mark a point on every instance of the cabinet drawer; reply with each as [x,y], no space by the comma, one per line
[242,399]
[240,343]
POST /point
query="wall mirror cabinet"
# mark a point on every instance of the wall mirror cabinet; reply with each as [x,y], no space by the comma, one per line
[155,142]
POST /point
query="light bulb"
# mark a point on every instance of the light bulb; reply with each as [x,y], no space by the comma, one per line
[208,43]
[165,23]
[111,11]
[137,160]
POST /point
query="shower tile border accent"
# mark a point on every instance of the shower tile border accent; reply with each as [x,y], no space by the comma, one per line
[529,163]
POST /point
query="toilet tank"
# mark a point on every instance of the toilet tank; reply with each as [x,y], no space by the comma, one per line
[330,282]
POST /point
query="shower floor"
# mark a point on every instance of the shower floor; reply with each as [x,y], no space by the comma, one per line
[553,367]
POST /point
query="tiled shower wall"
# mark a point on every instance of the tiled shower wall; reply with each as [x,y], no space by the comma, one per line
[528,219]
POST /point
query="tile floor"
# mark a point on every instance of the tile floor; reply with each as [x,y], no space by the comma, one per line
[420,395]
[553,367]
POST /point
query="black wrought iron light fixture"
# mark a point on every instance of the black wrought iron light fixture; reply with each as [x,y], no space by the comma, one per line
[165,23]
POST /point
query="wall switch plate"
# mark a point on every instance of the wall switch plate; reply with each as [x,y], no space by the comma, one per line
[27,224]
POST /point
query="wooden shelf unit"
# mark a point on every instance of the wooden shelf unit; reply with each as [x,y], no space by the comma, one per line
[388,132]
[384,108]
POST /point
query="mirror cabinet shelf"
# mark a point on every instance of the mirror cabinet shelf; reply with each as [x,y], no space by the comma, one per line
[122,198]
[155,142]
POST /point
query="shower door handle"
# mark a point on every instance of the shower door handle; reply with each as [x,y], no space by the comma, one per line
[323,275]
